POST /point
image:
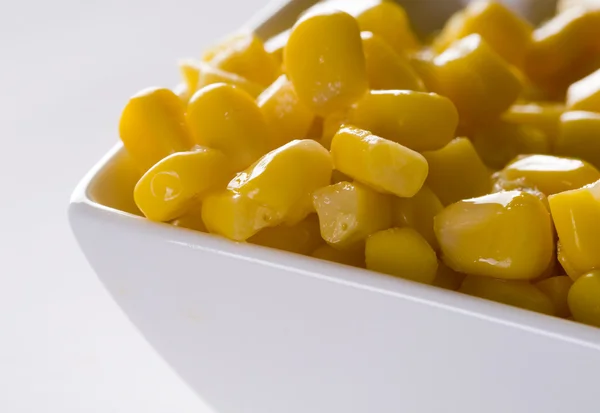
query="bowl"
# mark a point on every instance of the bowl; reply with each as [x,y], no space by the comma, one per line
[256,330]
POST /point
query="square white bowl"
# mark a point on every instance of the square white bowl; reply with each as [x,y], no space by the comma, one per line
[255,330]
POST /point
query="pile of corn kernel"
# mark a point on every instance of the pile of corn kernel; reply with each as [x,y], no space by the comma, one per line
[468,162]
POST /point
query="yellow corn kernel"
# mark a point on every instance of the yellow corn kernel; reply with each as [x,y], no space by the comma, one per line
[383,165]
[350,212]
[576,216]
[417,120]
[578,137]
[571,271]
[417,213]
[236,216]
[153,126]
[557,289]
[331,125]
[469,72]
[447,278]
[197,74]
[517,293]
[563,49]
[274,46]
[500,142]
[401,252]
[190,72]
[551,174]
[301,238]
[285,178]
[354,258]
[505,235]
[585,93]
[386,69]
[544,116]
[456,172]
[286,116]
[244,54]
[583,299]
[506,33]
[325,62]
[224,117]
[192,219]
[501,184]
[178,181]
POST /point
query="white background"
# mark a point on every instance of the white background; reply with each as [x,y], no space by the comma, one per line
[67,68]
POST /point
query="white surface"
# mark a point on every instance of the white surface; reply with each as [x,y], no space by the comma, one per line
[255,330]
[66,70]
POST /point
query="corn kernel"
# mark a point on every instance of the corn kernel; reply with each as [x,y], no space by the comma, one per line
[583,299]
[385,68]
[557,289]
[469,72]
[456,172]
[285,179]
[286,116]
[178,181]
[418,213]
[350,212]
[517,293]
[301,238]
[383,165]
[585,93]
[224,117]
[505,235]
[500,142]
[417,120]
[571,271]
[506,33]
[544,116]
[354,258]
[551,174]
[244,54]
[578,137]
[325,62]
[447,278]
[153,126]
[576,215]
[401,252]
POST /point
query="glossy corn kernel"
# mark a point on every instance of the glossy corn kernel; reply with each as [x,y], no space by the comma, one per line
[325,61]
[178,181]
[244,54]
[585,93]
[381,164]
[557,289]
[571,271]
[505,235]
[153,126]
[192,219]
[578,137]
[576,216]
[236,216]
[417,120]
[564,49]
[583,299]
[551,174]
[506,33]
[301,238]
[350,212]
[224,117]
[501,184]
[456,172]
[285,178]
[354,258]
[286,116]
[386,69]
[469,72]
[401,252]
[500,142]
[418,213]
[544,116]
[275,45]
[447,278]
[517,293]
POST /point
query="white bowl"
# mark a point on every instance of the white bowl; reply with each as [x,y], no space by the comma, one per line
[255,330]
